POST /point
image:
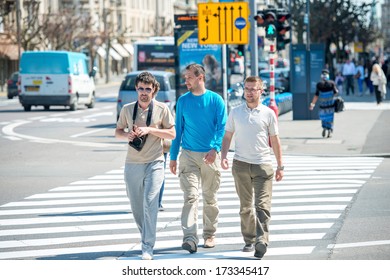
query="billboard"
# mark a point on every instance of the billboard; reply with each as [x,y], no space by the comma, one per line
[210,56]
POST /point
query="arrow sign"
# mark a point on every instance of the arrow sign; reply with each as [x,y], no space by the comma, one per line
[223,23]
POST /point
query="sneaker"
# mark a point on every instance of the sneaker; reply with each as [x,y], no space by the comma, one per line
[161,208]
[260,249]
[329,133]
[189,246]
[209,243]
[248,248]
[323,132]
[147,256]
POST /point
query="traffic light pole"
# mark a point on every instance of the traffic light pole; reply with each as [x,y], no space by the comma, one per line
[272,102]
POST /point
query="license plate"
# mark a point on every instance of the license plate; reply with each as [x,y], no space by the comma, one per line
[32,88]
[37,82]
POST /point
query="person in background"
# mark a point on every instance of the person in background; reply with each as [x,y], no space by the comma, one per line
[349,71]
[253,125]
[339,82]
[359,77]
[144,124]
[326,89]
[200,125]
[379,81]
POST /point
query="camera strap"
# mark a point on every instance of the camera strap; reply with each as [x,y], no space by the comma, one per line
[149,118]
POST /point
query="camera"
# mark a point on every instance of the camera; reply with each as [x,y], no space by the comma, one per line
[138,142]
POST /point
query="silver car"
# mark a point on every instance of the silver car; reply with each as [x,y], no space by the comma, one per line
[167,93]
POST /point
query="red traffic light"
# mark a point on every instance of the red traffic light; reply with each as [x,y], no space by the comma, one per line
[283,16]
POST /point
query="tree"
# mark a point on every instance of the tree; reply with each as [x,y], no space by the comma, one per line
[340,22]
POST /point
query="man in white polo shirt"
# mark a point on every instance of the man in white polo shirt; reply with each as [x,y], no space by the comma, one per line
[253,125]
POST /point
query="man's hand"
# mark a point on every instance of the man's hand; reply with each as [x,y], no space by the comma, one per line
[225,163]
[173,166]
[210,157]
[279,175]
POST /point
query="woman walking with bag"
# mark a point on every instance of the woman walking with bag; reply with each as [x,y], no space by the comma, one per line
[379,81]
[326,89]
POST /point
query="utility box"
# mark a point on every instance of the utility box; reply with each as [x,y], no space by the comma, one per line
[302,63]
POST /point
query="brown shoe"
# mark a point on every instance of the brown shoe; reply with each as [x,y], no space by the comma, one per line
[209,242]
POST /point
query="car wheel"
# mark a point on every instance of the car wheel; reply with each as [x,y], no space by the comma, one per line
[10,96]
[73,106]
[27,108]
[92,103]
[47,107]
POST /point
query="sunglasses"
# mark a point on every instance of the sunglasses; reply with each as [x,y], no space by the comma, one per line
[147,90]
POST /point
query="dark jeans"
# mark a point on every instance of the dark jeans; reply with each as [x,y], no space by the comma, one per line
[350,84]
[378,95]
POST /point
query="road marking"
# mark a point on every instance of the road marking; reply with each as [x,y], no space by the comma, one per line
[359,244]
[306,214]
[87,132]
[9,130]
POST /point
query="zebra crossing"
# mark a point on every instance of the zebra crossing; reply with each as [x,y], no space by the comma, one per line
[91,219]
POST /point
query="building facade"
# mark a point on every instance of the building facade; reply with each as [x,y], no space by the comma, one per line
[96,27]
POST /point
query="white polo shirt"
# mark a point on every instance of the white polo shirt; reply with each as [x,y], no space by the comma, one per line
[252,128]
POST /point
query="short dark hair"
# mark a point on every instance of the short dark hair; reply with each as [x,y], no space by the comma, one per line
[148,78]
[198,70]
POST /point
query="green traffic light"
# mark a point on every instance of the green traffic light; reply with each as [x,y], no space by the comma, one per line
[270,30]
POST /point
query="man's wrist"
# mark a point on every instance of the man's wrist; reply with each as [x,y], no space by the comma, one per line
[280,167]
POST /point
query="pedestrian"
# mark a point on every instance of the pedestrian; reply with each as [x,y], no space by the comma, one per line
[326,89]
[367,75]
[379,81]
[166,147]
[386,70]
[349,71]
[200,125]
[144,124]
[253,125]
[339,82]
[359,78]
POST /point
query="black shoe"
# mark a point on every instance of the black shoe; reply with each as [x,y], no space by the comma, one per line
[248,248]
[189,246]
[323,132]
[260,249]
[329,133]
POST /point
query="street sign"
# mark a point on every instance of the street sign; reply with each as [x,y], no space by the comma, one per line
[223,23]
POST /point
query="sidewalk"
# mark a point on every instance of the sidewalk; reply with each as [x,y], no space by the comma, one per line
[358,131]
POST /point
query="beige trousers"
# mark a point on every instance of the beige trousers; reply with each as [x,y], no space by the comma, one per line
[194,175]
[254,185]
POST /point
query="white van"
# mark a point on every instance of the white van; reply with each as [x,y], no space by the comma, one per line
[55,78]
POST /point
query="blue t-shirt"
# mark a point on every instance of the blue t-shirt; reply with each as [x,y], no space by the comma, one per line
[200,123]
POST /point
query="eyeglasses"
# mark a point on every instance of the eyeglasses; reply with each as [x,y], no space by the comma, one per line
[147,90]
[252,90]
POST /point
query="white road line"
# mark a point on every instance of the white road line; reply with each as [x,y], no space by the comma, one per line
[87,133]
[125,207]
[359,244]
[123,199]
[128,217]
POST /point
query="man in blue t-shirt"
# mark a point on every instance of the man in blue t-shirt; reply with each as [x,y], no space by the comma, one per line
[200,126]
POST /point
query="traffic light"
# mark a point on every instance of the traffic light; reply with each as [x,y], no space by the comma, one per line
[275,22]
[267,19]
[282,27]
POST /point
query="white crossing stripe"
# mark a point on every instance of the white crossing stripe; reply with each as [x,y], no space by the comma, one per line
[92,217]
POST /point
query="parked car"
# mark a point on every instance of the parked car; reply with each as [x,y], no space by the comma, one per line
[167,93]
[282,78]
[12,85]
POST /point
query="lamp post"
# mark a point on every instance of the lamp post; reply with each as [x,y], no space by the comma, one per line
[18,27]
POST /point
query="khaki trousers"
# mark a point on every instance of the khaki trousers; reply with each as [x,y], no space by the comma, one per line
[254,183]
[195,174]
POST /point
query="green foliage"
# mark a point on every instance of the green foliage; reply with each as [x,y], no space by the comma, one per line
[333,21]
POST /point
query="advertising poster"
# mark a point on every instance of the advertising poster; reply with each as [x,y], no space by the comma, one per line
[210,56]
